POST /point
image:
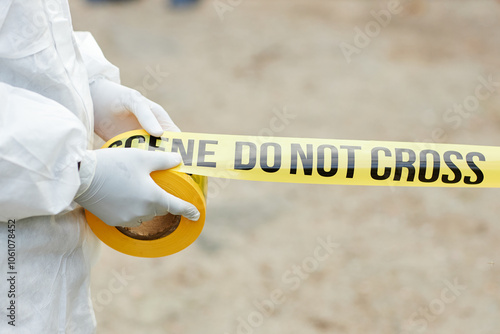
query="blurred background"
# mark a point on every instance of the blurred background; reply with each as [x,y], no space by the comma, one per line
[286,258]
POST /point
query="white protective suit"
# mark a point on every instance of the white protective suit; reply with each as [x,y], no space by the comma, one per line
[46,124]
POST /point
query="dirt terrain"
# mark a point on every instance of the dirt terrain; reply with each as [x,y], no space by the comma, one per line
[391,260]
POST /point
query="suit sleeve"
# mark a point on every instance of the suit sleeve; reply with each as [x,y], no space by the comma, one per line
[93,58]
[40,147]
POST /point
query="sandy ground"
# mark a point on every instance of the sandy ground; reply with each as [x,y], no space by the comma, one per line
[399,260]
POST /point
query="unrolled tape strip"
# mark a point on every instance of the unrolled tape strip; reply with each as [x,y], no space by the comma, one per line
[295,160]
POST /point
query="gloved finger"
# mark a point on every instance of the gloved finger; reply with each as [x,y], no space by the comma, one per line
[163,118]
[140,107]
[132,223]
[177,206]
[157,160]
[124,219]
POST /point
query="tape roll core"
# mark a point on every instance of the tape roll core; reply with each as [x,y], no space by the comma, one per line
[156,228]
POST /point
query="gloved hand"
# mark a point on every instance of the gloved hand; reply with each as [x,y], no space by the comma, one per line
[118,109]
[117,188]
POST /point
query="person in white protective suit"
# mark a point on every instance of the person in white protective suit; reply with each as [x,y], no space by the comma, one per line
[56,88]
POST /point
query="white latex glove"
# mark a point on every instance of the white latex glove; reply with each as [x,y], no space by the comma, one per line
[117,188]
[118,109]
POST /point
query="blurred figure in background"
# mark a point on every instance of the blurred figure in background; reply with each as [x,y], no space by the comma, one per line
[110,0]
[173,3]
[183,3]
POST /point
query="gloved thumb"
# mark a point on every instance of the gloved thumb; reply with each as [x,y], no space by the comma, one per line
[177,206]
[158,160]
[146,118]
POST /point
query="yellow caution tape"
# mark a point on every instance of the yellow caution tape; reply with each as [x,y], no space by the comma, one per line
[295,160]
[325,161]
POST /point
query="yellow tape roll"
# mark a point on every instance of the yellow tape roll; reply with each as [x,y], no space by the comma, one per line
[162,241]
